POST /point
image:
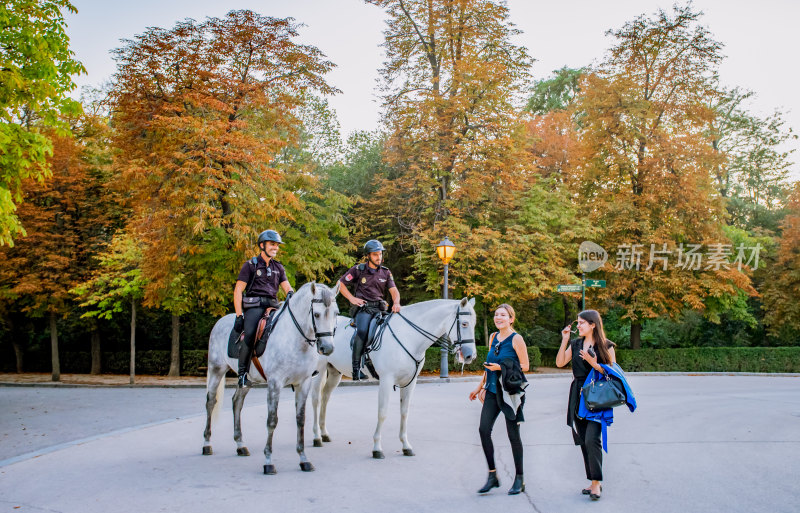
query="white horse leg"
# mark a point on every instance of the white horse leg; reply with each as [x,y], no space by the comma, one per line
[405,402]
[334,377]
[316,392]
[238,402]
[300,397]
[273,395]
[215,384]
[384,387]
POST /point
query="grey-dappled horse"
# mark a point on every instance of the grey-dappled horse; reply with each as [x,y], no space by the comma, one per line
[307,319]
[398,358]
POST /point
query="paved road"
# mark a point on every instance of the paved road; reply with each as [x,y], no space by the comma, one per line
[696,443]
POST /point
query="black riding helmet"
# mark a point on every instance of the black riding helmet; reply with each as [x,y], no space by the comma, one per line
[269,236]
[372,246]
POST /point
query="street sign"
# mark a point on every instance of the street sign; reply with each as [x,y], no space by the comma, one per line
[596,284]
[569,288]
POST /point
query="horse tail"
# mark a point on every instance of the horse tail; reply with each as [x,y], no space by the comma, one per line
[218,393]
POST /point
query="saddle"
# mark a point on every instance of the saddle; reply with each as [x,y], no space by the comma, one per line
[374,334]
[265,325]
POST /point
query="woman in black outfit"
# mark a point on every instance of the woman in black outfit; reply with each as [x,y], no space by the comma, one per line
[504,344]
[585,351]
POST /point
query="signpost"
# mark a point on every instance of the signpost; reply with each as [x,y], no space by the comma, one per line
[590,258]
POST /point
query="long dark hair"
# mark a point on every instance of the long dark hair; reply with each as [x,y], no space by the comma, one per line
[601,344]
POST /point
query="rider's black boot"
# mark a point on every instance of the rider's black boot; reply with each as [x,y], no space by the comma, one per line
[357,374]
[518,486]
[492,482]
[243,381]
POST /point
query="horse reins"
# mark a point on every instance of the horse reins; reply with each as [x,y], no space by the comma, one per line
[309,341]
[430,336]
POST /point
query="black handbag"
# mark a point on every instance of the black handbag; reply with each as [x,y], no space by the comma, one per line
[607,392]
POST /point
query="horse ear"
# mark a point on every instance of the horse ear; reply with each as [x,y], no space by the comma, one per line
[472,302]
[313,288]
[336,288]
[463,302]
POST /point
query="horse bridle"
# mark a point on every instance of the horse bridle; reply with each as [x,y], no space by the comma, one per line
[317,334]
[451,346]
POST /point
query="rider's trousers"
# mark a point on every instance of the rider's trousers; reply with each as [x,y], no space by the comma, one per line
[251,318]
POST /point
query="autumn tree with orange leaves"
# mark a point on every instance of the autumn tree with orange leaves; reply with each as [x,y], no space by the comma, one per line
[457,165]
[68,219]
[202,112]
[643,171]
[781,290]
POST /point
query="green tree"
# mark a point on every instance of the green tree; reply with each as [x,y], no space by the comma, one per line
[555,93]
[754,174]
[37,68]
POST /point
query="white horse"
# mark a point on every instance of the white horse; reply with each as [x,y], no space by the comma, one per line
[307,319]
[397,359]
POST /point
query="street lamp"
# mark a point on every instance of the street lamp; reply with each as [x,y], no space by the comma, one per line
[446,249]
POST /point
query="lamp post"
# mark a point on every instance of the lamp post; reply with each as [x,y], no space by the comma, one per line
[445,250]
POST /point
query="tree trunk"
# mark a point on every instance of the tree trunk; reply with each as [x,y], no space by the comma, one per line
[56,364]
[133,341]
[636,335]
[175,362]
[17,352]
[96,365]
[486,325]
[568,318]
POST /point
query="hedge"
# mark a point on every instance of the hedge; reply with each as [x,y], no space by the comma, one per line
[694,359]
[433,358]
[702,359]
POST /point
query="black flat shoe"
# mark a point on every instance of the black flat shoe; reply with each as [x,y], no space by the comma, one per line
[491,482]
[518,486]
[594,496]
[587,491]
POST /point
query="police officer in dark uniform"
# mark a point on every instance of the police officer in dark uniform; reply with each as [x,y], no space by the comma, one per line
[370,280]
[256,289]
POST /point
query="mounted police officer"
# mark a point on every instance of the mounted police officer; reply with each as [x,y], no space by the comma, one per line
[370,281]
[256,290]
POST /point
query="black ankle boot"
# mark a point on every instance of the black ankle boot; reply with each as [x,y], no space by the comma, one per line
[518,486]
[243,381]
[491,482]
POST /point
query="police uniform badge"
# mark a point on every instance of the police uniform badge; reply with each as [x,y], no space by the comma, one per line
[363,280]
[258,272]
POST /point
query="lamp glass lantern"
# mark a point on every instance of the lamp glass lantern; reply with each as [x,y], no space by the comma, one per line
[446,249]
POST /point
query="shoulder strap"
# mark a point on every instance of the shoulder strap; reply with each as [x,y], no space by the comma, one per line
[253,263]
[360,268]
[492,337]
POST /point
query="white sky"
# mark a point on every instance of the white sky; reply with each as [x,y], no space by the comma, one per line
[761,40]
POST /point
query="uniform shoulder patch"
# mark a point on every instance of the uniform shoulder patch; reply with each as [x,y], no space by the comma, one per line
[349,277]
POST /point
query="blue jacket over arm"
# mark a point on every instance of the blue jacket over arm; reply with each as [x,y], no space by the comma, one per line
[606,417]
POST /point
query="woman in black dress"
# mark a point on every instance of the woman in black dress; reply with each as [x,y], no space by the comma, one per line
[587,351]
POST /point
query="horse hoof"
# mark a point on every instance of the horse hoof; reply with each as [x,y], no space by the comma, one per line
[378,455]
[317,442]
[270,469]
[242,451]
[306,466]
[207,450]
[408,452]
[326,438]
